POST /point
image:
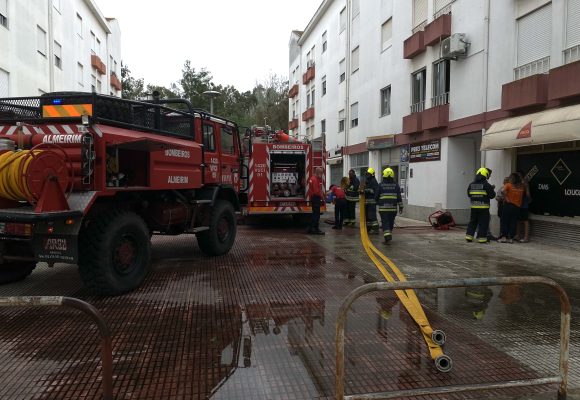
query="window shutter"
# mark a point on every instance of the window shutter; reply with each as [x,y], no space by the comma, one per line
[419,12]
[535,35]
[386,32]
[573,24]
[4,8]
[4,83]
[355,59]
[354,111]
[441,4]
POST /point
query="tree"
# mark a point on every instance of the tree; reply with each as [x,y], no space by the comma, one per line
[272,102]
[132,88]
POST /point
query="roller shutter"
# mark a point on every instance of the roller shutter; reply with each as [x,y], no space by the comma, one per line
[419,12]
[535,35]
[573,23]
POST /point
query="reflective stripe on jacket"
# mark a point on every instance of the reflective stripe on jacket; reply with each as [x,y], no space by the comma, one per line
[352,189]
[389,196]
[480,192]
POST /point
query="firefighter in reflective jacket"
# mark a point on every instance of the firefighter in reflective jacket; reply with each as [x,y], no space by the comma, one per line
[351,198]
[480,192]
[371,191]
[389,200]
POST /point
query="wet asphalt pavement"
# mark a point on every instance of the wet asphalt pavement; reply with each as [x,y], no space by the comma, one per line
[258,323]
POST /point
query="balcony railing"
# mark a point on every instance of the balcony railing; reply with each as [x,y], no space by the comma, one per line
[420,27]
[572,54]
[418,107]
[443,11]
[541,66]
[440,100]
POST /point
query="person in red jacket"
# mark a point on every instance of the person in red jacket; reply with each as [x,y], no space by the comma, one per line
[339,193]
[316,195]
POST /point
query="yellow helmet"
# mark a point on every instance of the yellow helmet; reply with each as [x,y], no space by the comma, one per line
[371,171]
[388,173]
[483,172]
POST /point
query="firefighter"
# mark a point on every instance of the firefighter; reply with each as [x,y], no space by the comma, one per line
[389,200]
[371,191]
[351,199]
[316,196]
[480,192]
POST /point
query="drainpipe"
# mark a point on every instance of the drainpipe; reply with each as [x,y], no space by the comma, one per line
[347,83]
[485,74]
[50,48]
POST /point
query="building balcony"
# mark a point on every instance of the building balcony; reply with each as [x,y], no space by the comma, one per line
[435,117]
[412,123]
[98,64]
[293,91]
[563,81]
[526,92]
[308,114]
[437,30]
[309,75]
[293,124]
[115,82]
[414,45]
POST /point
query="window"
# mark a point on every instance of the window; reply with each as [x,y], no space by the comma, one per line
[419,13]
[227,140]
[308,132]
[93,42]
[323,126]
[342,20]
[312,131]
[354,115]
[440,83]
[354,62]
[308,99]
[93,83]
[4,13]
[99,86]
[4,83]
[342,68]
[323,85]
[341,121]
[534,38]
[440,5]
[56,5]
[386,34]
[572,24]
[355,8]
[79,26]
[208,137]
[80,75]
[313,96]
[57,55]
[386,101]
[41,40]
[360,163]
[418,91]
[324,43]
[98,48]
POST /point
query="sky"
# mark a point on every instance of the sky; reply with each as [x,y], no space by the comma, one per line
[239,41]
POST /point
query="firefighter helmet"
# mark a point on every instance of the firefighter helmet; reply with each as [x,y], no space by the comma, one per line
[371,171]
[483,172]
[388,173]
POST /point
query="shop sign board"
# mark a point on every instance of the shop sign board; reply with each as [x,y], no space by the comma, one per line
[426,151]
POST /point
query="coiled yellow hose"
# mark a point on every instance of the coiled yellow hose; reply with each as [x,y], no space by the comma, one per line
[13,186]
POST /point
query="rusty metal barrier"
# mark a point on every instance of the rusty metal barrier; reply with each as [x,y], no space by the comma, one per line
[105,333]
[561,379]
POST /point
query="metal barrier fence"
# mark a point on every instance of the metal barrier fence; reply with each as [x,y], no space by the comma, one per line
[561,379]
[105,333]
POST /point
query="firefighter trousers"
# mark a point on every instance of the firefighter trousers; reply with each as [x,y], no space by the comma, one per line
[339,212]
[350,217]
[388,223]
[479,219]
[371,214]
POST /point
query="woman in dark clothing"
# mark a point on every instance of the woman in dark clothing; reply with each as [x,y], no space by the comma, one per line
[514,194]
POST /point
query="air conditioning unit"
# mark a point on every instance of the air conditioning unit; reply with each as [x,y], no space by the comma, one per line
[454,46]
[310,63]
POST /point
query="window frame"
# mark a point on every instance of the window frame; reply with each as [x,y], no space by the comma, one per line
[323,84]
[354,115]
[435,89]
[342,70]
[385,105]
[323,127]
[226,147]
[355,68]
[41,34]
[324,42]
[4,19]
[385,44]
[57,57]
[341,121]
[423,91]
[209,145]
[342,20]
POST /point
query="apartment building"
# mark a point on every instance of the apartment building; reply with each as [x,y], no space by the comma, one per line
[58,45]
[437,88]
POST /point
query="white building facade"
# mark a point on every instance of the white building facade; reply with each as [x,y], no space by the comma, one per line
[58,45]
[416,84]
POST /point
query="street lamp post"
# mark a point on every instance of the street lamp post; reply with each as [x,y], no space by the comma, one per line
[211,94]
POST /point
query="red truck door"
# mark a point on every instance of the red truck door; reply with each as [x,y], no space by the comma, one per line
[211,151]
[230,156]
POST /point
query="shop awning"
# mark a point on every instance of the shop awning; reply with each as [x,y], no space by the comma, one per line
[334,160]
[552,126]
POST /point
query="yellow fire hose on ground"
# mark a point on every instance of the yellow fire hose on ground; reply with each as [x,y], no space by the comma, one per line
[434,338]
[13,165]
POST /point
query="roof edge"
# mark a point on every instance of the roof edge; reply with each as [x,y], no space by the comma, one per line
[102,20]
[324,6]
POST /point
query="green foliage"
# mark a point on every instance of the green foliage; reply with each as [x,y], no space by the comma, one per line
[267,101]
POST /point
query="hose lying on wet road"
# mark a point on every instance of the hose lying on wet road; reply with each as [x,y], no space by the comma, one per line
[434,338]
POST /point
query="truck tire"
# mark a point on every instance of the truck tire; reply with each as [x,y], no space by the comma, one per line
[220,237]
[115,253]
[15,271]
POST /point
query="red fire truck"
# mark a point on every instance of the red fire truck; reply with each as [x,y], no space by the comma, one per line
[277,168]
[87,179]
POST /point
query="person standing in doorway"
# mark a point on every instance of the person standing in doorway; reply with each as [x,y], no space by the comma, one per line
[351,199]
[480,192]
[371,191]
[389,200]
[316,192]
[514,194]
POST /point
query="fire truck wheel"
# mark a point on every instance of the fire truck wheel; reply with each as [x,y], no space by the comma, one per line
[221,235]
[115,253]
[15,271]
